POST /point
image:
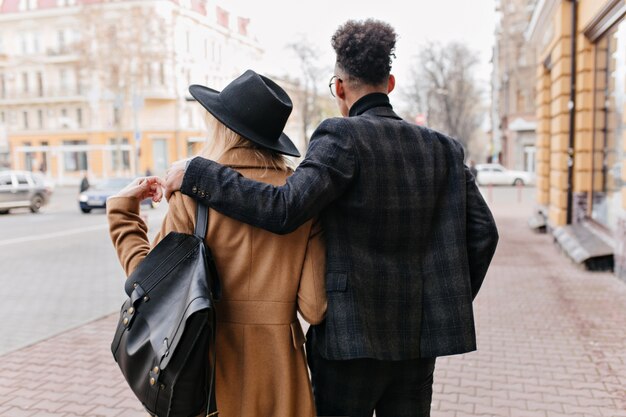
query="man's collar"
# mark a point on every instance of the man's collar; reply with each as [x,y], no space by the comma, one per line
[369,101]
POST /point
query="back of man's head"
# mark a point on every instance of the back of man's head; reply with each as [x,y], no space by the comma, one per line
[364,50]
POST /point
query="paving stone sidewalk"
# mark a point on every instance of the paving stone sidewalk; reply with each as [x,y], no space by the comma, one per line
[551,344]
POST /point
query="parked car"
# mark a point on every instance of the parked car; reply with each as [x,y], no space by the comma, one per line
[20,189]
[496,174]
[96,195]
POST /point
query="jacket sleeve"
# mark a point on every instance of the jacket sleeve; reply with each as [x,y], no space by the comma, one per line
[312,290]
[482,234]
[328,169]
[129,233]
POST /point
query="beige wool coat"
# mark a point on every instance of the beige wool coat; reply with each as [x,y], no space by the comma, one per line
[266,278]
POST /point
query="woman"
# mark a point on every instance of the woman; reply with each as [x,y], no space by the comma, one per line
[261,366]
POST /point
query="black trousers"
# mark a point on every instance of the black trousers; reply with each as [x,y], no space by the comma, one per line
[358,387]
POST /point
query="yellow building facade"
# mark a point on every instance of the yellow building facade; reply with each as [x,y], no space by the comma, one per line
[580,48]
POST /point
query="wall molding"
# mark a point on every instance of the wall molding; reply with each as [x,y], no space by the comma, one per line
[609,15]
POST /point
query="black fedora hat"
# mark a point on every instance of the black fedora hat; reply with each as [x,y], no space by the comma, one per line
[253,106]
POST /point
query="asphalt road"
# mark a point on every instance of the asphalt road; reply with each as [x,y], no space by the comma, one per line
[58,269]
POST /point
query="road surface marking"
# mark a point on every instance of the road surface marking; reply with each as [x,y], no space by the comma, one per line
[64,233]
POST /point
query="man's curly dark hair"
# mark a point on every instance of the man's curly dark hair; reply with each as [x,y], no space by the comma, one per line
[364,49]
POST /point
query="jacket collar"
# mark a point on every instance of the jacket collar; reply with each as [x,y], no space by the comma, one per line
[377,102]
[242,158]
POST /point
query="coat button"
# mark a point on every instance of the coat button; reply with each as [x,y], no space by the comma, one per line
[125,321]
[152,381]
[131,311]
[194,189]
[202,194]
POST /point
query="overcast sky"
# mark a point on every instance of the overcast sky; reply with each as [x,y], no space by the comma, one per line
[277,22]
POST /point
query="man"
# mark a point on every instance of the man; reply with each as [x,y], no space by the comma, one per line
[84,183]
[409,237]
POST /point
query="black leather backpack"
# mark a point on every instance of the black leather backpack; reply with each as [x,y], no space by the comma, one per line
[165,337]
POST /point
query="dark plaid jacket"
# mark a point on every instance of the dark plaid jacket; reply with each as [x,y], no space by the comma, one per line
[409,236]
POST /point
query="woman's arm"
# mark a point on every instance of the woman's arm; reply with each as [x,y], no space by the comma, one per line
[312,290]
[129,233]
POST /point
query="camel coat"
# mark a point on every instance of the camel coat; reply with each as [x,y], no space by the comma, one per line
[261,365]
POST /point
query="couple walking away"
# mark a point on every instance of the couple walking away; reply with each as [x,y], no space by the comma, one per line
[380,239]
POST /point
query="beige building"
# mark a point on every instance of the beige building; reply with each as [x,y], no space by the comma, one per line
[101,86]
[581,110]
[513,88]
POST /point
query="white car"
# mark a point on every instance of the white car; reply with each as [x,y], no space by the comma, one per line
[496,174]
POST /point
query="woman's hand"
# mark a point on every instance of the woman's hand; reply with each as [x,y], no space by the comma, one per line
[142,188]
[174,177]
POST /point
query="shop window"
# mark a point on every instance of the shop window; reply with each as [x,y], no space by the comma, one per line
[609,126]
[75,160]
[28,157]
[44,157]
[122,154]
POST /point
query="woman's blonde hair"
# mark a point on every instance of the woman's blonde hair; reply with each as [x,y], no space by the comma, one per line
[221,139]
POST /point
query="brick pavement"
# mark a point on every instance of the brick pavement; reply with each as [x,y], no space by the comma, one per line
[551,344]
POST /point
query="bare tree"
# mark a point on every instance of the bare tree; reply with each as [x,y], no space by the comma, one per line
[122,51]
[312,74]
[443,88]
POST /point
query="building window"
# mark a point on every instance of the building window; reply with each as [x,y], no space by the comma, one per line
[61,39]
[63,120]
[40,83]
[24,43]
[36,43]
[162,73]
[79,117]
[609,126]
[148,74]
[3,86]
[40,118]
[63,81]
[25,119]
[122,154]
[74,160]
[25,82]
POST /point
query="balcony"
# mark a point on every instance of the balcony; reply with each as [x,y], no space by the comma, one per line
[45,95]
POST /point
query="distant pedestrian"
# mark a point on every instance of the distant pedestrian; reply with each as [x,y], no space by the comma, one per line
[84,183]
[409,236]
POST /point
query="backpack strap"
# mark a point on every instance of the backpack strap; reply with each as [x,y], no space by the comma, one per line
[202,220]
[202,223]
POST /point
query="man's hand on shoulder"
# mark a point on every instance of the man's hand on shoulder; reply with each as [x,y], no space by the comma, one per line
[174,177]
